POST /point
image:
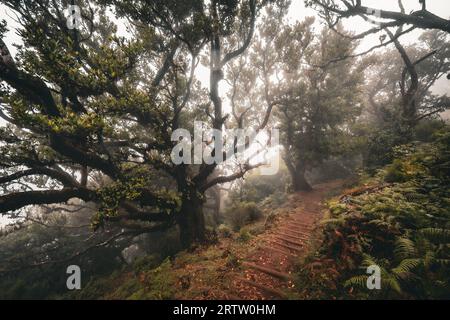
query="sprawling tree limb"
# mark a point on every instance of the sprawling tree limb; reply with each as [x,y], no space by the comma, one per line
[69,149]
[420,19]
[166,65]
[440,106]
[231,55]
[61,176]
[367,51]
[18,200]
[134,213]
[232,177]
[29,86]
[77,208]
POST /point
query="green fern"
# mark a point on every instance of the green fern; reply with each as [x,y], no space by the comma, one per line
[437,235]
[429,258]
[443,262]
[405,268]
[333,222]
[391,283]
[368,260]
[357,281]
[404,248]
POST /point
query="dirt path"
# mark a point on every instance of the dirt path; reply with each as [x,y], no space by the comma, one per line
[262,268]
[267,271]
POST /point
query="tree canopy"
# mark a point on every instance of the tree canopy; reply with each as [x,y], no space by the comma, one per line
[87,102]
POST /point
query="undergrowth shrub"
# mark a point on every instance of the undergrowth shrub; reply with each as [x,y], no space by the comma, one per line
[156,284]
[270,219]
[224,231]
[401,223]
[243,213]
[244,235]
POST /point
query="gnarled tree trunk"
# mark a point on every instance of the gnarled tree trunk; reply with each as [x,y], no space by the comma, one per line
[299,182]
[191,221]
[297,172]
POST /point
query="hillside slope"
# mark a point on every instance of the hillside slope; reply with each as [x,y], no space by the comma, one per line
[258,263]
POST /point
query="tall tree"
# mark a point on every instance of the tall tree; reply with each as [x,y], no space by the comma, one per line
[400,82]
[84,102]
[314,104]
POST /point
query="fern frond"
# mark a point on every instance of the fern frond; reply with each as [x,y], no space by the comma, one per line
[437,235]
[443,262]
[406,266]
[391,283]
[429,258]
[368,260]
[404,248]
[335,222]
[356,281]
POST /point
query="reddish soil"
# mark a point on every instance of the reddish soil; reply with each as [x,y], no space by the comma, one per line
[267,270]
[264,265]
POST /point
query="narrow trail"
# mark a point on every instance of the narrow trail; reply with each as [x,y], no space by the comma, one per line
[263,267]
[267,270]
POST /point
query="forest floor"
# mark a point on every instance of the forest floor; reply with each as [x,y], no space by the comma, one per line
[262,267]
